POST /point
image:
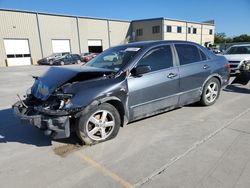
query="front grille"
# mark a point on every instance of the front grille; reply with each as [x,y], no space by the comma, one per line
[233,66]
[234,62]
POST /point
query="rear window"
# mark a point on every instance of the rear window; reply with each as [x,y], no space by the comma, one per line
[187,53]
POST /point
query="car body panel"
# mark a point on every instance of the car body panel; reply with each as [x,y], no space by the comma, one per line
[152,91]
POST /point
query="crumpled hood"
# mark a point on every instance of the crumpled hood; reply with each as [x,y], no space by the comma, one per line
[237,57]
[55,77]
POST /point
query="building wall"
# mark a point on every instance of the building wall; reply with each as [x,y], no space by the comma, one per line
[93,29]
[194,37]
[57,27]
[174,35]
[26,25]
[146,26]
[19,25]
[119,32]
[201,37]
[206,37]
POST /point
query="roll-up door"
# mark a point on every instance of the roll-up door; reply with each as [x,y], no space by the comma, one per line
[17,52]
[95,46]
[61,46]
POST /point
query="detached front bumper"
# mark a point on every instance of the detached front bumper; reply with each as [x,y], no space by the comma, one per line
[55,126]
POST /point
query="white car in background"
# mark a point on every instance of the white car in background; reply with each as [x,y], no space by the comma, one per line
[236,55]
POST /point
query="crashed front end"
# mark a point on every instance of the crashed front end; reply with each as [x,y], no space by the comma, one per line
[52,115]
[244,76]
[59,97]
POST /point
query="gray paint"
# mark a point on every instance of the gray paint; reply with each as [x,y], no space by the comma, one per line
[90,86]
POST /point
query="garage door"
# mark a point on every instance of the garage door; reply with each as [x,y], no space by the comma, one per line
[60,46]
[17,52]
[95,46]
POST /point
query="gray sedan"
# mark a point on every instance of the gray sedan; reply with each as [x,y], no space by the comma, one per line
[121,85]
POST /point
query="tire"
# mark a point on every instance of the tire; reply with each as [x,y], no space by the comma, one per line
[50,62]
[62,63]
[211,92]
[92,125]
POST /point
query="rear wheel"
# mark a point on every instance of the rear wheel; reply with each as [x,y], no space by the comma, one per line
[62,63]
[211,92]
[99,124]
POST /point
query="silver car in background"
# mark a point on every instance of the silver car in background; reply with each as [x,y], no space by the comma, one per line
[236,55]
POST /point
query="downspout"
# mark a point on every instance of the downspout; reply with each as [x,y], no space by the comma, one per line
[78,34]
[39,35]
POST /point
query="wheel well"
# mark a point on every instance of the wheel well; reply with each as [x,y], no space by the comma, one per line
[218,78]
[119,107]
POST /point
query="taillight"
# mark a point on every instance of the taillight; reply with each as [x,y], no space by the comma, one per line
[228,66]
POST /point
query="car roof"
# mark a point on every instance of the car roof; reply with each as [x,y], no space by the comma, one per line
[156,42]
[239,45]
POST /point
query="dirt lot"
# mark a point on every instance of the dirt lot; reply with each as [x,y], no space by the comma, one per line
[189,147]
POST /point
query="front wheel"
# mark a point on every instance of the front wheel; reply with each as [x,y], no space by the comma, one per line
[211,92]
[99,124]
[50,62]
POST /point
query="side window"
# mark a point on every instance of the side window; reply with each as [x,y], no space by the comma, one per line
[158,58]
[203,56]
[187,53]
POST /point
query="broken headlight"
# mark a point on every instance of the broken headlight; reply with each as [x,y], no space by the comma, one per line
[244,65]
[65,100]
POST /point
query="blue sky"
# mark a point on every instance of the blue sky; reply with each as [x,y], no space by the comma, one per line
[231,16]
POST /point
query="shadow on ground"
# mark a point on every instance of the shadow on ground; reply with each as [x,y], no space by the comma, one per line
[11,130]
[237,89]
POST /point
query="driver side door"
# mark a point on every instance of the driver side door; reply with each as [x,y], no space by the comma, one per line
[156,90]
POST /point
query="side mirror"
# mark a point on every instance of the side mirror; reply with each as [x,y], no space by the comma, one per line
[141,69]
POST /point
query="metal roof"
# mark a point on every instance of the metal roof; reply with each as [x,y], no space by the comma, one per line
[170,19]
[96,18]
[63,15]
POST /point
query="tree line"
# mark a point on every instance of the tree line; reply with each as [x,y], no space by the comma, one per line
[222,38]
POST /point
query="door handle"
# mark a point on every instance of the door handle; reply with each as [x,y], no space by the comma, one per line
[206,66]
[172,75]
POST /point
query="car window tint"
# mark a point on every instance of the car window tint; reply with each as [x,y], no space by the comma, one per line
[187,53]
[158,58]
[203,56]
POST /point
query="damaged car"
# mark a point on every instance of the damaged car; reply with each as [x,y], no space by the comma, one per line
[244,76]
[143,79]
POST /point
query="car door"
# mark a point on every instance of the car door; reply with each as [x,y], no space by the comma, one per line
[194,69]
[66,59]
[75,58]
[156,90]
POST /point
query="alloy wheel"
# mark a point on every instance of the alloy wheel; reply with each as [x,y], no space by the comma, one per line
[212,92]
[100,125]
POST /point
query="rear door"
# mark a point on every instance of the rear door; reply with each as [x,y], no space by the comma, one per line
[156,90]
[194,69]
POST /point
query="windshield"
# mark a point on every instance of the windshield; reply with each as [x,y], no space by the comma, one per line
[114,58]
[238,50]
